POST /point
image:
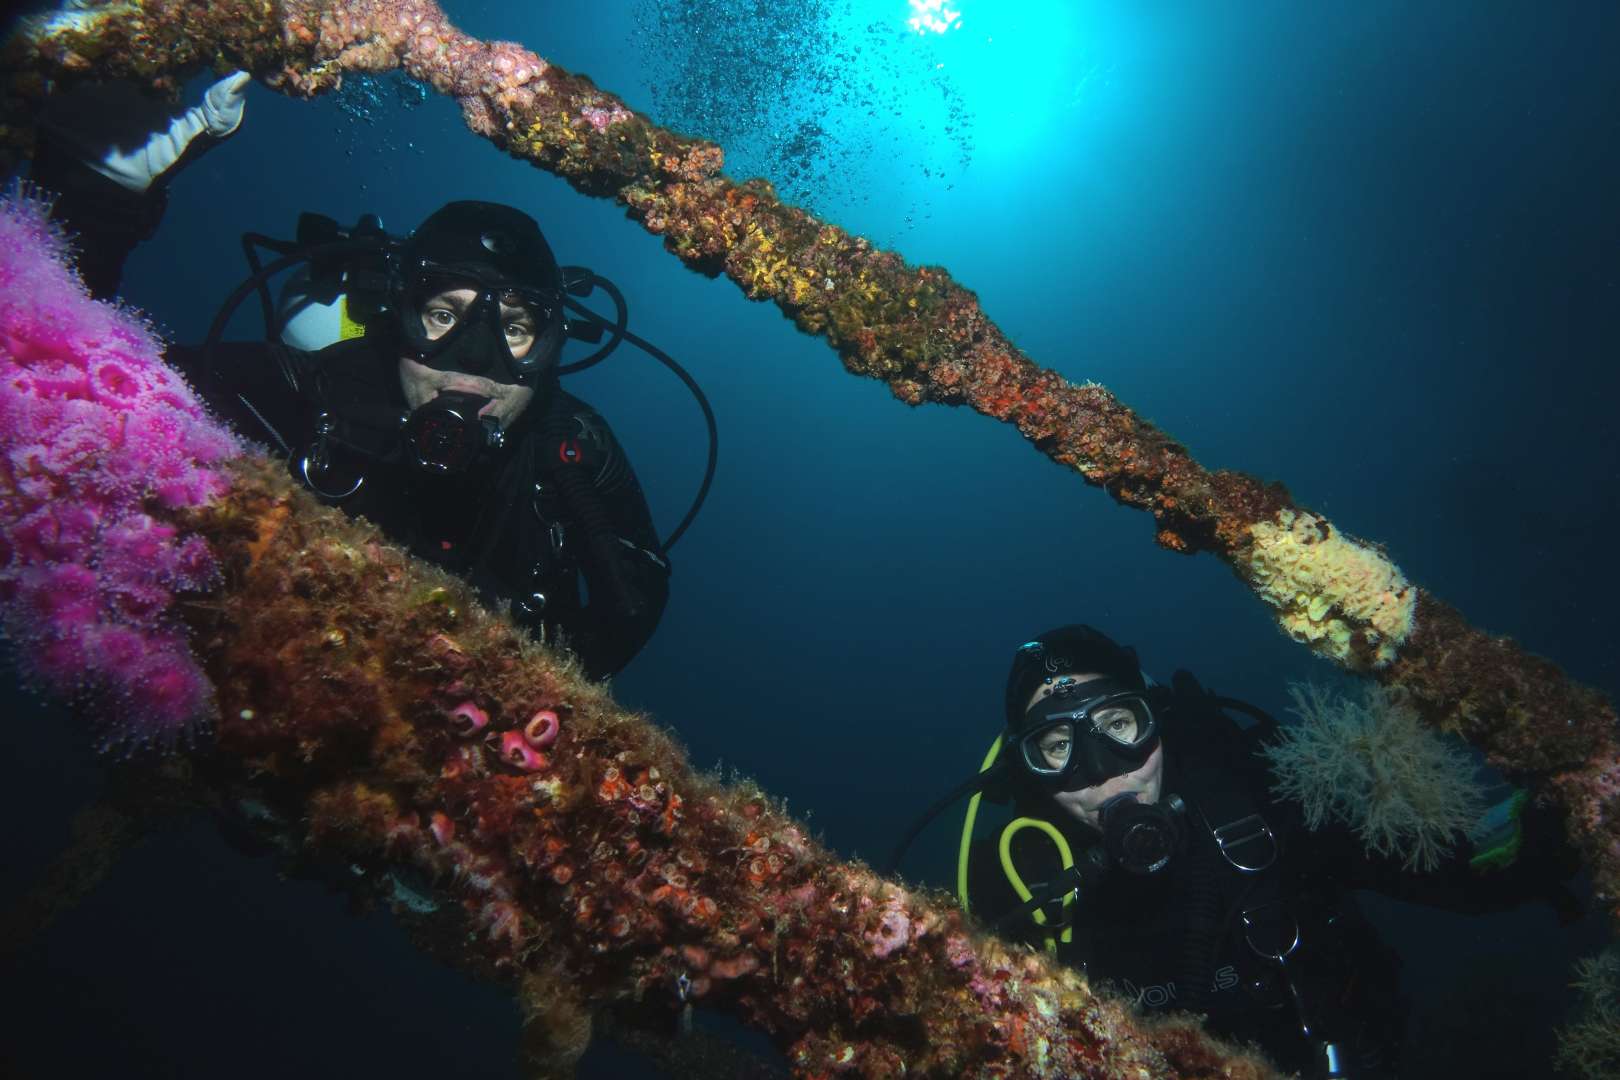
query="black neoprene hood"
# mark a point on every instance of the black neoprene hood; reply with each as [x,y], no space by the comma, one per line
[1074,649]
[489,236]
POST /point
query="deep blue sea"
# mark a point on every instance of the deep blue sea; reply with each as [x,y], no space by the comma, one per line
[1370,250]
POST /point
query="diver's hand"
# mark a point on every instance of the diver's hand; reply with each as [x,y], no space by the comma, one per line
[224,103]
[218,116]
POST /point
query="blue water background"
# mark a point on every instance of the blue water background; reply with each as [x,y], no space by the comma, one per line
[1368,250]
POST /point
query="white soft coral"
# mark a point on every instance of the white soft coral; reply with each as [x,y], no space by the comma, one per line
[1369,762]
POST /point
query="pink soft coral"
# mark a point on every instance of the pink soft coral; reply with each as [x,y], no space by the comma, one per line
[98,439]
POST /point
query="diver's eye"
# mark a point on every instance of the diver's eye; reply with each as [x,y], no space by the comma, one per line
[516,332]
[439,318]
[1118,724]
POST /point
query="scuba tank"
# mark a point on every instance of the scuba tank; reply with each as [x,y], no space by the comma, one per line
[338,286]
[307,323]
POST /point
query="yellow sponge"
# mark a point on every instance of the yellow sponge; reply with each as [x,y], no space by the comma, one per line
[1330,591]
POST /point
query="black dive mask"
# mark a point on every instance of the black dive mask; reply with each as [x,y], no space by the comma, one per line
[478,334]
[1141,837]
[1085,733]
[446,435]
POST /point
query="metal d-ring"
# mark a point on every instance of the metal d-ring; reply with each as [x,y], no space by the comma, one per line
[319,460]
[1249,927]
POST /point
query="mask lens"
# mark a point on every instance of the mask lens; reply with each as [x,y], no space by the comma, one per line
[1122,722]
[1048,751]
[525,319]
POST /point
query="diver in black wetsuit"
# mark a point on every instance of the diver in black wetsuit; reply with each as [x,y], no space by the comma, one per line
[1146,850]
[440,417]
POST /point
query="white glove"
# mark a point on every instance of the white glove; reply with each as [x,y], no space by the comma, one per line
[219,115]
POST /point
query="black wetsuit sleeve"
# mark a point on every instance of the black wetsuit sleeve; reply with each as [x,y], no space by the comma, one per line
[1537,875]
[253,386]
[106,220]
[626,576]
[1337,856]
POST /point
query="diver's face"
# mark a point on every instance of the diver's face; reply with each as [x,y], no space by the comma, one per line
[440,314]
[1085,804]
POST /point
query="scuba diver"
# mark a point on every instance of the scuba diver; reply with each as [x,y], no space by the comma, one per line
[413,381]
[1145,849]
